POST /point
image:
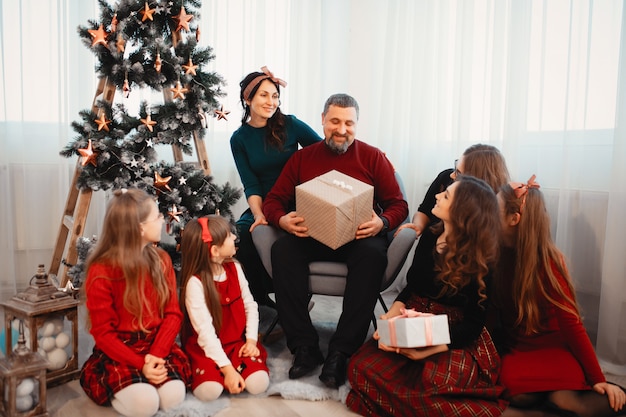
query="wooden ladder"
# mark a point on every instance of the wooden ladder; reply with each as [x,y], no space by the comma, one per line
[78,201]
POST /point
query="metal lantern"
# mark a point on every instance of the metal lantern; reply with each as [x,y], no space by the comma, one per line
[50,317]
[23,382]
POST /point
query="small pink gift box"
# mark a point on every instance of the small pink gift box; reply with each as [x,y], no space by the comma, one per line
[414,329]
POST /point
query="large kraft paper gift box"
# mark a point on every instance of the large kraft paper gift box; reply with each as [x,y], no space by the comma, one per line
[413,329]
[333,206]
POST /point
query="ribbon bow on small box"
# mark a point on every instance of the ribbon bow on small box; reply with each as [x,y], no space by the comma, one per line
[414,329]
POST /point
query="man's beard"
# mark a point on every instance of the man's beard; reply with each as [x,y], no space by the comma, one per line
[336,148]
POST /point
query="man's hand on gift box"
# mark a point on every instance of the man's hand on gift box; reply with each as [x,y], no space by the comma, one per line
[290,223]
[370,228]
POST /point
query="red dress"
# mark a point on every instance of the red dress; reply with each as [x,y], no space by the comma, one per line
[120,347]
[231,335]
[560,357]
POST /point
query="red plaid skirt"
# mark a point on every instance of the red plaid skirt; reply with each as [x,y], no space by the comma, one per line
[101,377]
[456,383]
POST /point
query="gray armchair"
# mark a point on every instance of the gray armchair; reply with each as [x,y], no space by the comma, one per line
[329,278]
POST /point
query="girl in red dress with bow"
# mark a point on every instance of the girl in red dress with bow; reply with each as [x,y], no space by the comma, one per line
[220,329]
[547,357]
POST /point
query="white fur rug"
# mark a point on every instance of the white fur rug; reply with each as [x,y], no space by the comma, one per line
[308,387]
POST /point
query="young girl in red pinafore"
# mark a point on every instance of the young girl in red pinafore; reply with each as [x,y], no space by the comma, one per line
[136,365]
[220,330]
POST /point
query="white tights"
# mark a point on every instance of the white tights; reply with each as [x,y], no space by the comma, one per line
[256,383]
[144,400]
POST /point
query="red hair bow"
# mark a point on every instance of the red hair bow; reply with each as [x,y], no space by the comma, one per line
[206,233]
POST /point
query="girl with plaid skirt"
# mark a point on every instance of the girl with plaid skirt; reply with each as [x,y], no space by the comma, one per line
[134,317]
[221,324]
[448,276]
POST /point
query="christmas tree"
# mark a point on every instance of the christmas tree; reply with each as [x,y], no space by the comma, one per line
[151,45]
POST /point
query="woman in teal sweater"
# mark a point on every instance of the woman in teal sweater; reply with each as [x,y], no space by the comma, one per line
[261,147]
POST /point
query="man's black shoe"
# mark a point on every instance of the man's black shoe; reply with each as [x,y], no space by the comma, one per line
[334,371]
[305,360]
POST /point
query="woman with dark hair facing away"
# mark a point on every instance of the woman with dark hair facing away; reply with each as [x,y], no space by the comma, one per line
[261,147]
[548,360]
[221,324]
[449,275]
[131,298]
[481,161]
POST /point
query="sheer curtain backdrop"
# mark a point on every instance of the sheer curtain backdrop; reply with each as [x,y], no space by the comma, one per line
[541,79]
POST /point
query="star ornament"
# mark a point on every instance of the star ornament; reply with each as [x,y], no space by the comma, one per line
[179,91]
[190,68]
[221,113]
[148,122]
[161,183]
[147,13]
[99,36]
[102,123]
[183,20]
[88,155]
[174,214]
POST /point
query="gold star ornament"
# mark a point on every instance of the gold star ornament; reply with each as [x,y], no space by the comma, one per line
[179,91]
[88,155]
[99,36]
[102,123]
[148,122]
[161,183]
[183,20]
[147,12]
[174,214]
[221,113]
[190,68]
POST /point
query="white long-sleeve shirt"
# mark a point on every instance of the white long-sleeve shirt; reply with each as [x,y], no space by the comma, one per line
[202,321]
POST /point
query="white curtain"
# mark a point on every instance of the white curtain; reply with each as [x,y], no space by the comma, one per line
[540,79]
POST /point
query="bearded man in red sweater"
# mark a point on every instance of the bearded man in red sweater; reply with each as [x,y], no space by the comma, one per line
[366,255]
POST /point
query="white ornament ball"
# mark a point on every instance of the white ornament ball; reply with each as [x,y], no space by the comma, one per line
[57,358]
[47,343]
[47,329]
[24,403]
[62,340]
[25,387]
[57,325]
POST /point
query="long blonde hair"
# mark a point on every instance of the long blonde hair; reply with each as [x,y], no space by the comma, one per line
[536,258]
[196,261]
[120,245]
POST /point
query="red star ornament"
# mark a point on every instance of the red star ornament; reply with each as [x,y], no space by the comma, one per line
[174,214]
[148,122]
[221,113]
[179,91]
[161,183]
[183,19]
[99,36]
[89,156]
[147,13]
[190,68]
[103,123]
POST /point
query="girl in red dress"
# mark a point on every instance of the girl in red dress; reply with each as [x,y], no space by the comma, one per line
[220,330]
[134,317]
[547,357]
